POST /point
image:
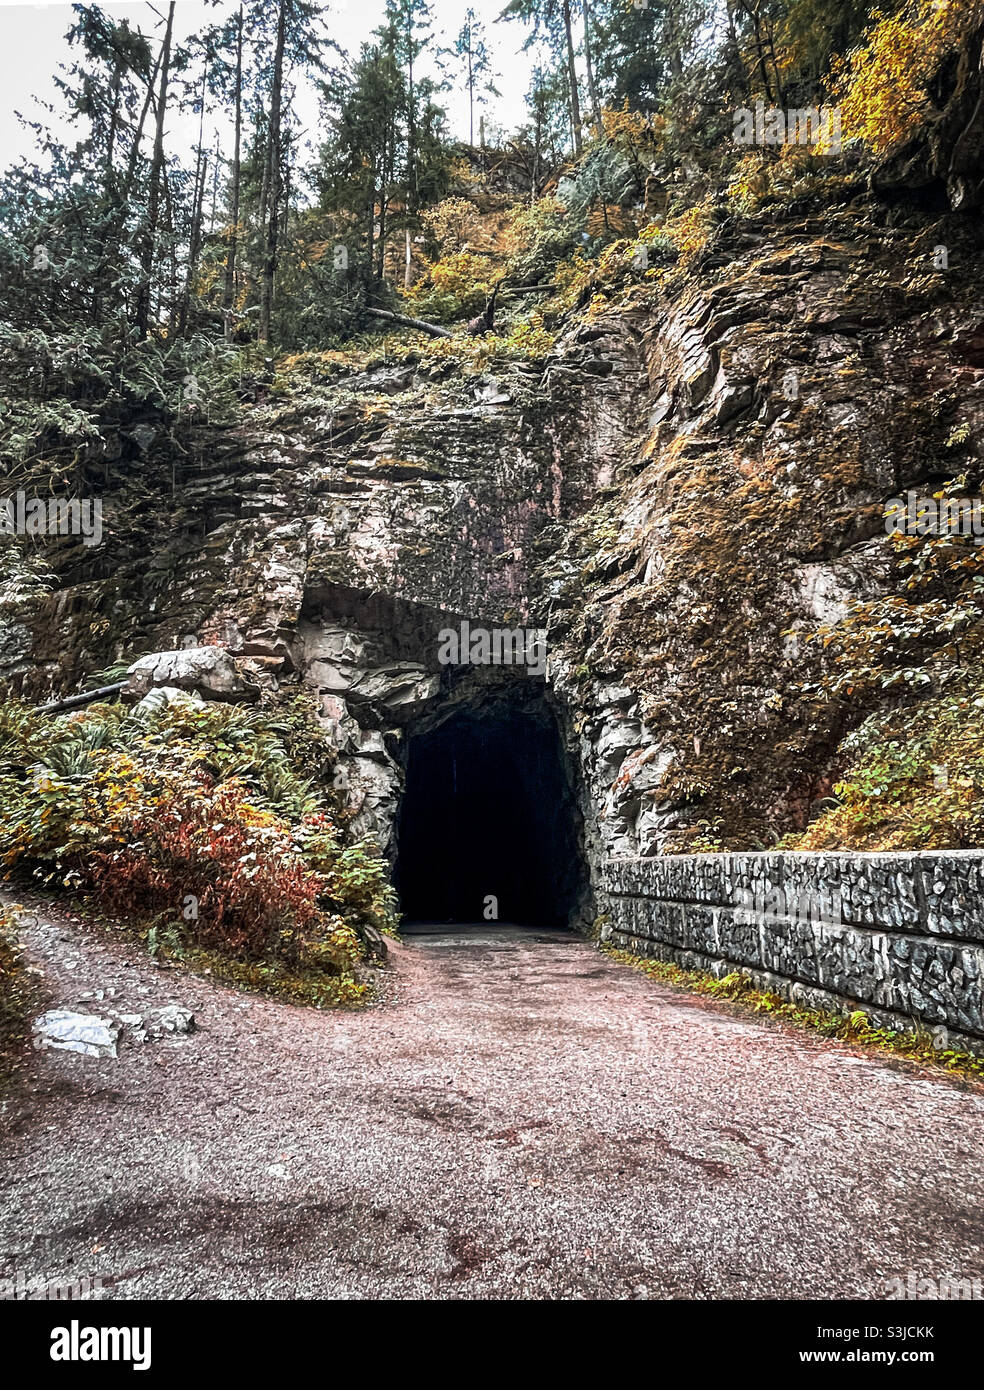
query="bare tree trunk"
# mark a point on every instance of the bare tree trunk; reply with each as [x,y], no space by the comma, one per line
[197,209]
[592,89]
[371,226]
[386,177]
[113,122]
[436,330]
[86,698]
[537,139]
[572,79]
[471,92]
[131,167]
[760,52]
[216,164]
[173,308]
[229,290]
[153,205]
[109,185]
[194,242]
[411,204]
[273,223]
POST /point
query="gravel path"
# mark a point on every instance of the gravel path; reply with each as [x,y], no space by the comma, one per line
[523,1118]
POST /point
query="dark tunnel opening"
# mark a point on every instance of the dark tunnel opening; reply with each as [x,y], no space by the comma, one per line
[489,814]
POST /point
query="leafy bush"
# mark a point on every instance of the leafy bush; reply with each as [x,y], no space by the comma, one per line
[454,224]
[14,984]
[196,815]
[915,781]
[353,879]
[537,238]
[209,847]
[762,179]
[456,286]
[886,83]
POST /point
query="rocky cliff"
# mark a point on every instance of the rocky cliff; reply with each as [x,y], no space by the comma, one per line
[682,491]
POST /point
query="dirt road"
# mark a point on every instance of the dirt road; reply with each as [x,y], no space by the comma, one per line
[523,1118]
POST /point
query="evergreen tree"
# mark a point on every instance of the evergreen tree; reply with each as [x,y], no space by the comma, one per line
[471,47]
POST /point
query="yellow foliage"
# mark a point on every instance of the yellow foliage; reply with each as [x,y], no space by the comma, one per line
[455,224]
[690,231]
[571,278]
[529,340]
[632,131]
[883,85]
[796,171]
[454,287]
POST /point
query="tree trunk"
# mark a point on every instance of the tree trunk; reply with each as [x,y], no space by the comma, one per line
[213,208]
[273,223]
[229,290]
[572,79]
[387,173]
[537,138]
[109,187]
[131,166]
[592,89]
[436,330]
[194,242]
[370,227]
[113,124]
[197,210]
[411,204]
[153,205]
[86,698]
[471,92]
[760,52]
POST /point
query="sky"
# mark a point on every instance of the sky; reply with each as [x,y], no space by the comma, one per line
[32,44]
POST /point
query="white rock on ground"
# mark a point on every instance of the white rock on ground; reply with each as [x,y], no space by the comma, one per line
[71,1032]
[173,1018]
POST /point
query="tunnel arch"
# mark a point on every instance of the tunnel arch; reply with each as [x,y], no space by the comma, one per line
[489,819]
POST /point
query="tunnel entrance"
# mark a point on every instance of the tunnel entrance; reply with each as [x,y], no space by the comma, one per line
[488,820]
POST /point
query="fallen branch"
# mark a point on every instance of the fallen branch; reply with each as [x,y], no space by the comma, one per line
[434,329]
[87,698]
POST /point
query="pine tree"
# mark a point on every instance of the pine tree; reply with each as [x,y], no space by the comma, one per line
[553,21]
[471,46]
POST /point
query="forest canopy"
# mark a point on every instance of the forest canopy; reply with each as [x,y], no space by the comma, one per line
[125,256]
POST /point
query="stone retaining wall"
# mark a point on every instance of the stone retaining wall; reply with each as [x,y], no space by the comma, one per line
[899,935]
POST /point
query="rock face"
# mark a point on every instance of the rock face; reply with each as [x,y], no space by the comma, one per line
[946,159]
[679,494]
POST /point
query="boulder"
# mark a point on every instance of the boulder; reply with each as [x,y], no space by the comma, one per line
[173,1018]
[209,672]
